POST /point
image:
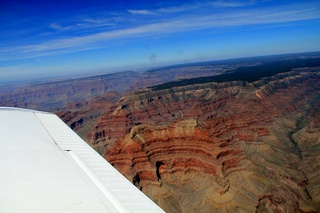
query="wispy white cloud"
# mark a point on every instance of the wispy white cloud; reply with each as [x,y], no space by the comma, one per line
[55,26]
[179,9]
[222,4]
[84,25]
[141,12]
[94,22]
[208,5]
[273,16]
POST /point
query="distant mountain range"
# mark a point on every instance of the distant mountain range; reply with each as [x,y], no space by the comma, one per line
[54,94]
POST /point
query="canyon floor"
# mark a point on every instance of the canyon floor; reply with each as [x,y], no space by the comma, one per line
[237,136]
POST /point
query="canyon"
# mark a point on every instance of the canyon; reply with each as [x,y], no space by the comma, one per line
[202,138]
[220,147]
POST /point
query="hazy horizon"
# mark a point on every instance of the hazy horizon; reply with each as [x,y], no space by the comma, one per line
[49,40]
[73,76]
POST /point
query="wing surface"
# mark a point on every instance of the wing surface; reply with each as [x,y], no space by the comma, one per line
[46,167]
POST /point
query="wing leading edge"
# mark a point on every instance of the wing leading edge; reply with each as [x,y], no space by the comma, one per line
[46,167]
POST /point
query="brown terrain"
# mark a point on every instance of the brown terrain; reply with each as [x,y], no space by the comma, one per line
[229,146]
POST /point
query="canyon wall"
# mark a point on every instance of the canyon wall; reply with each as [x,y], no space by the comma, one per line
[220,147]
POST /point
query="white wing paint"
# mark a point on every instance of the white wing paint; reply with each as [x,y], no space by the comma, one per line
[46,167]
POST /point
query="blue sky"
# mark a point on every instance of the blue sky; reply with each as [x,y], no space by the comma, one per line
[49,39]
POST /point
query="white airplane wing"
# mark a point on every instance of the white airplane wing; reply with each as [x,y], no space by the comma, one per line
[46,167]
